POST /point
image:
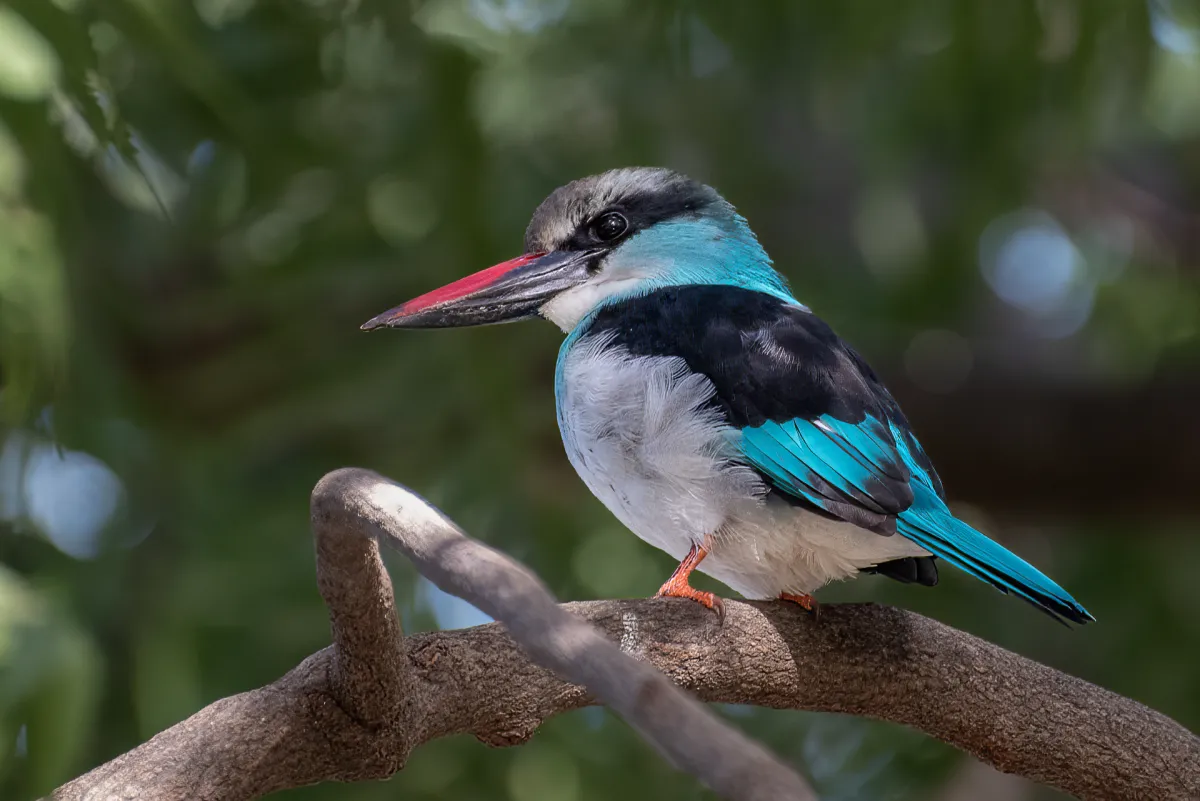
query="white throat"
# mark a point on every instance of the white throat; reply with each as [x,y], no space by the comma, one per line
[567,308]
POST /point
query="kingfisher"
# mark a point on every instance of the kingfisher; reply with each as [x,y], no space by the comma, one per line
[713,413]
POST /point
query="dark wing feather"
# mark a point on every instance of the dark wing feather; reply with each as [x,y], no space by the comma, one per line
[818,425]
[814,419]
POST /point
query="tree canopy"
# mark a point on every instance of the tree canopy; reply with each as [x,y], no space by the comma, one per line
[997,203]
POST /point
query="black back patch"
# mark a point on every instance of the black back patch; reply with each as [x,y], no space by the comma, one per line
[769,361]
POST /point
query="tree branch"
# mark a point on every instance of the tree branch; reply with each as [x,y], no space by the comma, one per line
[356,710]
[348,504]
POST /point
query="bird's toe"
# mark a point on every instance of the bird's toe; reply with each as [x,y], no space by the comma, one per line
[805,601]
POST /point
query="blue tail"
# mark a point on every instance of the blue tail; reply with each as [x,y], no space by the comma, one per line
[939,532]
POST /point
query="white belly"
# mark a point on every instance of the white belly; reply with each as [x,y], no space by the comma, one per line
[640,435]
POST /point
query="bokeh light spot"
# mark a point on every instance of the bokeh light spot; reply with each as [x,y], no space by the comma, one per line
[1172,28]
[217,13]
[1033,265]
[68,496]
[201,156]
[526,16]
[1029,261]
[1172,102]
[29,67]
[450,611]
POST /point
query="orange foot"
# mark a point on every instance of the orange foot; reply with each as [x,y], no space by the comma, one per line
[707,598]
[806,602]
[677,585]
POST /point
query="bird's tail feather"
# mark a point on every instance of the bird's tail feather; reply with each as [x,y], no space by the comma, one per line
[945,536]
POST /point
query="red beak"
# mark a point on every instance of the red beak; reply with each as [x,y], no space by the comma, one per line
[511,290]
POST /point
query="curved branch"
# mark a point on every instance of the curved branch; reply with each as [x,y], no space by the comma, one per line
[368,642]
[1016,714]
[683,730]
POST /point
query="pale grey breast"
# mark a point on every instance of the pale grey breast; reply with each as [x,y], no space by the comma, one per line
[643,437]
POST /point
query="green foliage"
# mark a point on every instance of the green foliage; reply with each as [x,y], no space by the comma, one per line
[48,684]
[200,202]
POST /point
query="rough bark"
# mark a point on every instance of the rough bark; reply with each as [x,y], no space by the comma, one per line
[357,709]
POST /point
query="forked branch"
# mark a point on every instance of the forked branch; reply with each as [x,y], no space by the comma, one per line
[357,709]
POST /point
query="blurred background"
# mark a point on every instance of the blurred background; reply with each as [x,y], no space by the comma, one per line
[998,202]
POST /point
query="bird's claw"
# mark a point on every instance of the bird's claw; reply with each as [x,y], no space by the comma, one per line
[707,599]
[804,601]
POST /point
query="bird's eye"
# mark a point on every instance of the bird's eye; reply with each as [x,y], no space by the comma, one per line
[609,226]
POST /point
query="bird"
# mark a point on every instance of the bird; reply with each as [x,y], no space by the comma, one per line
[714,414]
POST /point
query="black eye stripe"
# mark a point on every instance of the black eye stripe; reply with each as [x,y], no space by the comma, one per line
[639,210]
[644,196]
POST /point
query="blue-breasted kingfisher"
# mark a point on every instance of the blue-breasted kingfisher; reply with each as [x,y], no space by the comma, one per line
[711,411]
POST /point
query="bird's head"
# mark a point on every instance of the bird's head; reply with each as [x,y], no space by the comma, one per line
[608,237]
